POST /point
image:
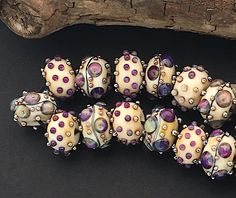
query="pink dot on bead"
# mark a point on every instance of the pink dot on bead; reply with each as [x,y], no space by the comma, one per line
[55,77]
[65,114]
[118,104]
[126,79]
[188,155]
[70,92]
[190,127]
[198,131]
[191,74]
[50,65]
[126,92]
[126,66]
[134,59]
[192,143]
[134,72]
[65,79]
[134,85]
[119,129]
[117,113]
[180,160]
[127,57]
[187,135]
[53,130]
[126,105]
[182,147]
[127,118]
[59,138]
[61,124]
[59,90]
[61,67]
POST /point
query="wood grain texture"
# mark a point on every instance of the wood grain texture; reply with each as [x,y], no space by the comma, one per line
[38,18]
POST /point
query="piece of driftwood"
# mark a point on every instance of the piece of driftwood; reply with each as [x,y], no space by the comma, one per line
[38,18]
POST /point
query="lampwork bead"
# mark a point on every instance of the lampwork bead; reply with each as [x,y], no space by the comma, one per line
[60,77]
[63,132]
[189,85]
[127,122]
[129,74]
[159,75]
[189,145]
[161,130]
[94,76]
[96,126]
[216,104]
[33,108]
[218,156]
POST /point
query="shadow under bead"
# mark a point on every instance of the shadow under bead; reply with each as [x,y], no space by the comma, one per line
[33,108]
[96,127]
[93,77]
[129,73]
[60,77]
[159,75]
[160,130]
[218,156]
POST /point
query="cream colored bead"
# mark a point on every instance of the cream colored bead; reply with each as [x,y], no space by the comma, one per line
[128,74]
[61,134]
[215,106]
[161,130]
[218,156]
[60,77]
[94,76]
[189,86]
[33,108]
[128,129]
[96,126]
[159,75]
[189,145]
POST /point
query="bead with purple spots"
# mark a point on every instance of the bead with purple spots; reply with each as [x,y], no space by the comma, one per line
[50,65]
[53,130]
[198,131]
[126,66]
[191,74]
[55,77]
[61,67]
[61,124]
[60,90]
[134,72]
[65,79]
[59,138]
[127,118]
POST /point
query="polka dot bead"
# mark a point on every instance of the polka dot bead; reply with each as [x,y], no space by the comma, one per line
[94,76]
[189,86]
[127,122]
[60,77]
[33,108]
[96,126]
[161,130]
[217,102]
[159,75]
[189,145]
[218,156]
[63,132]
[129,74]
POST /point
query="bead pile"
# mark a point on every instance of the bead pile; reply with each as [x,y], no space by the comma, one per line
[192,89]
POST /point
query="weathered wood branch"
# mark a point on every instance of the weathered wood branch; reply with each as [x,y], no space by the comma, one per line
[38,18]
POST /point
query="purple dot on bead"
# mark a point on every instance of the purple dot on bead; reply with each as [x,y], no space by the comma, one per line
[118,104]
[220,174]
[127,118]
[117,113]
[206,160]
[70,92]
[134,72]
[129,132]
[167,115]
[180,160]
[55,77]
[65,79]
[188,155]
[126,79]
[61,67]
[198,131]
[119,129]
[192,143]
[187,135]
[126,66]
[216,132]
[134,85]
[182,147]
[134,59]
[126,104]
[61,149]
[65,114]
[80,80]
[127,57]
[191,127]
[53,130]
[61,124]
[161,145]
[225,150]
[127,92]
[50,65]
[53,143]
[59,138]
[57,58]
[59,90]
[86,114]
[191,74]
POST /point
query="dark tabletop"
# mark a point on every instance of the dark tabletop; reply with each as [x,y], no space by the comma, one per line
[27,166]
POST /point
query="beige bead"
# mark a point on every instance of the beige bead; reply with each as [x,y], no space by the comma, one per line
[94,76]
[160,130]
[189,86]
[128,130]
[62,136]
[128,74]
[96,128]
[60,77]
[189,145]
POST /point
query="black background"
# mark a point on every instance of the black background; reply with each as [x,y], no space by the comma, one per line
[27,166]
